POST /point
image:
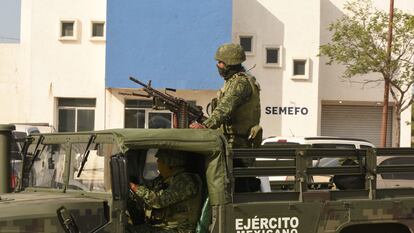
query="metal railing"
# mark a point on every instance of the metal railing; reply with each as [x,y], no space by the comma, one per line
[297,162]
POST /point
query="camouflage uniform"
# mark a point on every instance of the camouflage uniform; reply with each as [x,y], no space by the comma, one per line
[172,204]
[238,109]
[237,112]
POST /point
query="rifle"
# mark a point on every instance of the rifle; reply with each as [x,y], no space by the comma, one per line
[184,111]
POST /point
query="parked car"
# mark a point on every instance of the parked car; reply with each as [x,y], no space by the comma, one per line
[321,142]
[387,180]
[314,142]
[394,180]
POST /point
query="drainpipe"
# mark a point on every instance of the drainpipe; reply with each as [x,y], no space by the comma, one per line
[5,157]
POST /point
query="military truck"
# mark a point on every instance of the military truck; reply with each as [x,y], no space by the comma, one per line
[78,182]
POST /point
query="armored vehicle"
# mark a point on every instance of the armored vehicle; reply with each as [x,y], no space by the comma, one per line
[78,182]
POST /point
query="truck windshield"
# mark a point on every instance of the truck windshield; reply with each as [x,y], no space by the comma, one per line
[48,166]
[96,161]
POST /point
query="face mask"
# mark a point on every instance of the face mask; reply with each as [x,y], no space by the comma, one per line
[224,72]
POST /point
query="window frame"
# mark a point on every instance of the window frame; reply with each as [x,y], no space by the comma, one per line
[396,176]
[91,106]
[76,114]
[97,38]
[99,172]
[74,37]
[279,63]
[307,67]
[63,151]
[147,120]
[147,112]
[253,42]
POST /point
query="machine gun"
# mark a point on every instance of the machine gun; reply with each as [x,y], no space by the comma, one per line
[184,112]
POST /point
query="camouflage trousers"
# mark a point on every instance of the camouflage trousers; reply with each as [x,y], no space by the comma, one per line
[146,228]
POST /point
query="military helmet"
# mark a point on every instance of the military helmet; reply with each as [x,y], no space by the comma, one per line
[171,158]
[231,54]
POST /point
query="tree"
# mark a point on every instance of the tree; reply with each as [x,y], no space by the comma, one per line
[412,126]
[359,42]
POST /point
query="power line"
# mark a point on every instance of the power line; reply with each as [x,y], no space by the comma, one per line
[9,38]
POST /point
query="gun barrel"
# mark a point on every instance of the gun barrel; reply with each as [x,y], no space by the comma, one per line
[137,81]
[170,102]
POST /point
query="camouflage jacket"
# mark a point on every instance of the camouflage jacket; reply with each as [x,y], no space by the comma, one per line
[238,107]
[173,203]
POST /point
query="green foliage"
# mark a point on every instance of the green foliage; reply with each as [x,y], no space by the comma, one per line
[359,41]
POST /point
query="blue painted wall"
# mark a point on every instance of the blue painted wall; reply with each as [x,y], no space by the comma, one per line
[10,21]
[170,42]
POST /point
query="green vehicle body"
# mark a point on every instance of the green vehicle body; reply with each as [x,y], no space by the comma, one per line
[61,191]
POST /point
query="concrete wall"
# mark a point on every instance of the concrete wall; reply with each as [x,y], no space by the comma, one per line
[58,67]
[14,72]
[48,68]
[175,48]
[273,23]
[300,33]
[335,88]
[12,86]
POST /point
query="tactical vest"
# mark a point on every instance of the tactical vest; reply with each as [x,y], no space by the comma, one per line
[246,115]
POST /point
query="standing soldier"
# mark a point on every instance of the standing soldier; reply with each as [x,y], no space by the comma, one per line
[237,110]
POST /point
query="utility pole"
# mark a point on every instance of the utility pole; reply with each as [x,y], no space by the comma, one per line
[388,79]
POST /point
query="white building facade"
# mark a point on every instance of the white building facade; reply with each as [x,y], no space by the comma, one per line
[56,74]
[58,68]
[301,95]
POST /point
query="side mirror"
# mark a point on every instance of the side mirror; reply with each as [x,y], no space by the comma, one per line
[119,178]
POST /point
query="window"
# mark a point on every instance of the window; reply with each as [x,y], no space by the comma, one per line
[48,168]
[92,176]
[331,162]
[300,69]
[246,41]
[75,115]
[151,167]
[273,56]
[68,30]
[159,120]
[333,146]
[140,114]
[98,30]
[398,161]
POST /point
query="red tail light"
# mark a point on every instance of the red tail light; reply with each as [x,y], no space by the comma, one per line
[13,180]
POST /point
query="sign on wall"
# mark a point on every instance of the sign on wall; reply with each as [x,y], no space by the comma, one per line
[286,110]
